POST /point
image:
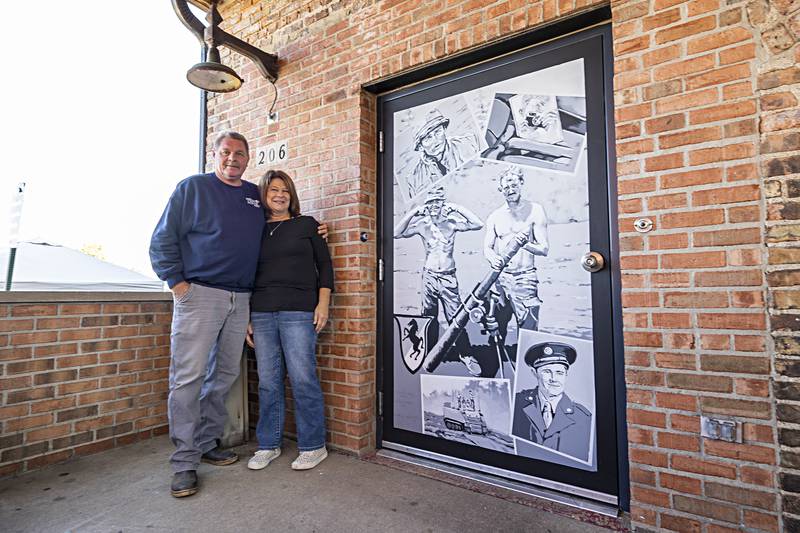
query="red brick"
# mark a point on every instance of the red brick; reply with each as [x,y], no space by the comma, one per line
[680,523]
[681,402]
[700,382]
[717,40]
[34,338]
[727,237]
[740,452]
[693,260]
[722,112]
[729,278]
[685,423]
[692,300]
[647,418]
[650,496]
[680,69]
[50,432]
[648,457]
[704,467]
[676,360]
[681,31]
[680,341]
[757,476]
[19,424]
[683,484]
[671,320]
[719,76]
[634,147]
[640,338]
[694,136]
[731,320]
[690,178]
[640,436]
[34,310]
[670,241]
[734,91]
[669,279]
[632,186]
[760,521]
[690,219]
[743,496]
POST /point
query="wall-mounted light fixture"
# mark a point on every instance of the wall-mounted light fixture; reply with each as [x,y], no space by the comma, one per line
[211,74]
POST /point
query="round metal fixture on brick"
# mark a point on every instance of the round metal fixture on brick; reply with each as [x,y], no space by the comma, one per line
[643,225]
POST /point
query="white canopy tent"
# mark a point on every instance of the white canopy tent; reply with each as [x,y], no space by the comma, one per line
[47,267]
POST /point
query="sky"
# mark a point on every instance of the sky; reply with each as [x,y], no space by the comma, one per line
[100,123]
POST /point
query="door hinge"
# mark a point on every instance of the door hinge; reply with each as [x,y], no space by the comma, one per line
[380,403]
[380,141]
[380,269]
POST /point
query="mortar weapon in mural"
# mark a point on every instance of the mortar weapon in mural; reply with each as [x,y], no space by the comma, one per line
[473,301]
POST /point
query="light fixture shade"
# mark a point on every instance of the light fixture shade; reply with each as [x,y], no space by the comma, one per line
[214,77]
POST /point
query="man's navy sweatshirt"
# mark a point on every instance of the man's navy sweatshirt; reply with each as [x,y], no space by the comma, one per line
[210,234]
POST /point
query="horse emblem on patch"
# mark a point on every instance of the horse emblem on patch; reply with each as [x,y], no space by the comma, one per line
[417,335]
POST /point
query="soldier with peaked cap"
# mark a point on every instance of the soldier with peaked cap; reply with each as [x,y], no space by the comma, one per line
[440,154]
[546,415]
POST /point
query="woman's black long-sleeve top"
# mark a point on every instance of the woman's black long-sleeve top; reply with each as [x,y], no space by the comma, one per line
[293,264]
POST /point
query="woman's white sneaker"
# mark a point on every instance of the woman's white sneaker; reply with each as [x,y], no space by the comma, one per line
[310,459]
[262,458]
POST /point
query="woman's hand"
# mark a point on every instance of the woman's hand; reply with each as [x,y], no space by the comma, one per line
[322,229]
[249,337]
[320,316]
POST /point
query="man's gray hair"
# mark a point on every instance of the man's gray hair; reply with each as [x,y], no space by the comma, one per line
[230,134]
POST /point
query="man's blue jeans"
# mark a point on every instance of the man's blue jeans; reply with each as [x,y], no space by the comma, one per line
[286,342]
[207,340]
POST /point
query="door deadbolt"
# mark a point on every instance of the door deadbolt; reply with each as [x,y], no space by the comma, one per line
[592,262]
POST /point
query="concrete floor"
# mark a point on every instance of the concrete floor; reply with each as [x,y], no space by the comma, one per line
[127,489]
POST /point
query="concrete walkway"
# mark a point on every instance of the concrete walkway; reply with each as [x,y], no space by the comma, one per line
[127,489]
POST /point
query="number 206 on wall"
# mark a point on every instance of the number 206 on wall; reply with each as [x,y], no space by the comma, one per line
[276,152]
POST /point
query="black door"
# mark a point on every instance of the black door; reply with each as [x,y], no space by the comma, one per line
[498,310]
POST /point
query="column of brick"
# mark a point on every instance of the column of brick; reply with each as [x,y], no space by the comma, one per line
[778,23]
[77,378]
[687,130]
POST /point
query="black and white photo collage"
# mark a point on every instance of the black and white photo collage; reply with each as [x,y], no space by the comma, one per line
[492,310]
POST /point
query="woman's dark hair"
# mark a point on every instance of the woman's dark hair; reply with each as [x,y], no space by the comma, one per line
[263,185]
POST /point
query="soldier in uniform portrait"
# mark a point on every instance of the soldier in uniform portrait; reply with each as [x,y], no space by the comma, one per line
[545,415]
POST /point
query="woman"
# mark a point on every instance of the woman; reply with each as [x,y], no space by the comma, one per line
[289,307]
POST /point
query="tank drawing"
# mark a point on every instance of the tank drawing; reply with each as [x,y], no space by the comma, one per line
[464,414]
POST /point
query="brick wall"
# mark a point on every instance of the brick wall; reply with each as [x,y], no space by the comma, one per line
[80,377]
[778,24]
[706,122]
[687,86]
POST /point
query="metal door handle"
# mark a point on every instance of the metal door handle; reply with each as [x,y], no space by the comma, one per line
[593,262]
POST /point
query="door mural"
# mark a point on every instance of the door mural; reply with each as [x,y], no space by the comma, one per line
[493,343]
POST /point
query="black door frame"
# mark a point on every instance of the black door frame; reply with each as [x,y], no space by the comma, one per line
[426,78]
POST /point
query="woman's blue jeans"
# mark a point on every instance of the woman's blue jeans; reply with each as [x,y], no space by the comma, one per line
[286,342]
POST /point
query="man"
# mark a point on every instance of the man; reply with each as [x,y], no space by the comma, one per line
[526,222]
[439,154]
[437,223]
[546,415]
[206,248]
